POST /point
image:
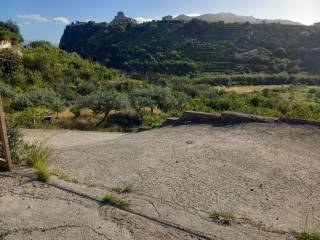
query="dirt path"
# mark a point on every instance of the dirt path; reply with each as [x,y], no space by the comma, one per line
[267,175]
[57,139]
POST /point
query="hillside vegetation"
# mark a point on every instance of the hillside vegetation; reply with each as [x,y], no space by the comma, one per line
[10,31]
[195,47]
[39,79]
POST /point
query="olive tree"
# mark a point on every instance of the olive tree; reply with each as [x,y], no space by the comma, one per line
[153,96]
[102,102]
[141,98]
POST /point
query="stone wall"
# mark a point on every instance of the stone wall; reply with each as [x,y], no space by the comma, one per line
[232,117]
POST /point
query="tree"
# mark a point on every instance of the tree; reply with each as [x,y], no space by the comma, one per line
[164,98]
[104,102]
[153,96]
[141,98]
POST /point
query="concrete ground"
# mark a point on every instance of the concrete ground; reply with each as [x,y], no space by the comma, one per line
[266,175]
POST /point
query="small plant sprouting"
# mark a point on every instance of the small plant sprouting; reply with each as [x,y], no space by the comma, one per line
[116,201]
[223,218]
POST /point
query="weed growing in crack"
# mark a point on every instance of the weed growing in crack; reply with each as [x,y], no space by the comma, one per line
[63,176]
[223,218]
[116,201]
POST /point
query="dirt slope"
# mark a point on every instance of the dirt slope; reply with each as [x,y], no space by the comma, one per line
[267,175]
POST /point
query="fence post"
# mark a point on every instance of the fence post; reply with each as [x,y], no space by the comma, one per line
[4,139]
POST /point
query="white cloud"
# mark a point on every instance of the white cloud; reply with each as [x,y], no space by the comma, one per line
[188,14]
[28,18]
[61,20]
[193,14]
[33,17]
[142,19]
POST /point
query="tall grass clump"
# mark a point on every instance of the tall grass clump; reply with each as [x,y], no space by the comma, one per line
[37,156]
[116,201]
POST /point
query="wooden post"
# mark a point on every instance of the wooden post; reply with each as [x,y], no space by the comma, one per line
[4,139]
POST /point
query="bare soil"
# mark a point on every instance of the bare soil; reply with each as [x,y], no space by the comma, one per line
[266,175]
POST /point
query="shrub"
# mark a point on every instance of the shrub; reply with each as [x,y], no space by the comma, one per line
[125,120]
[152,119]
[259,101]
[116,201]
[31,118]
[76,110]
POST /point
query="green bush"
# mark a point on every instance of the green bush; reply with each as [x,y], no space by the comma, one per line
[152,119]
[76,110]
[31,118]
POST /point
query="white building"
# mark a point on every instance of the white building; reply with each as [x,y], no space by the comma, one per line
[5,44]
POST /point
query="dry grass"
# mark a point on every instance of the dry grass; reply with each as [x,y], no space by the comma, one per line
[252,89]
[63,176]
[127,188]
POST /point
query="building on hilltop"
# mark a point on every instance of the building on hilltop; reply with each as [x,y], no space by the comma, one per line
[121,18]
[167,18]
[5,44]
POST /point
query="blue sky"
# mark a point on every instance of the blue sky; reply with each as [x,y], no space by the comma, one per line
[46,19]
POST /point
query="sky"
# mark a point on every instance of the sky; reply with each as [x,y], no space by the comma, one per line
[46,19]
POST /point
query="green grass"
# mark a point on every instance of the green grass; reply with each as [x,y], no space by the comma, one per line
[34,154]
[128,188]
[43,172]
[308,236]
[37,157]
[223,218]
[116,201]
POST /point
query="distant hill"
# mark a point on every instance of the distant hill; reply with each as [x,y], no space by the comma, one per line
[192,47]
[233,18]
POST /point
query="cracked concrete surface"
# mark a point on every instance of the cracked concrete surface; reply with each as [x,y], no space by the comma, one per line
[267,175]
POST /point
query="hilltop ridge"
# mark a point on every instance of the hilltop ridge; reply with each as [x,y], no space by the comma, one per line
[189,47]
[233,18]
